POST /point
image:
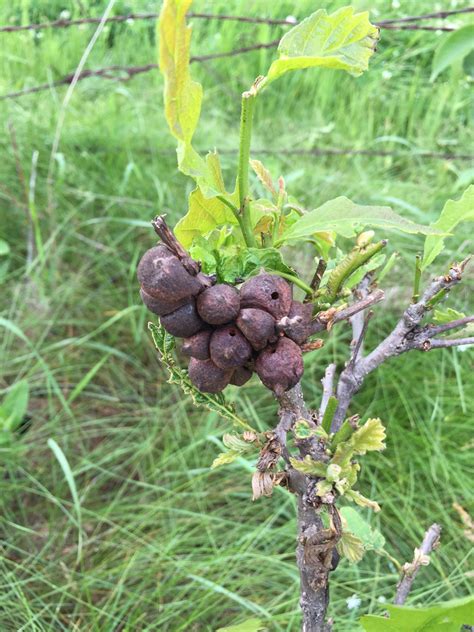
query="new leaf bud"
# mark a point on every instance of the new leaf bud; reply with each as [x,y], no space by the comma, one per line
[229,348]
[280,367]
[269,292]
[219,304]
[207,377]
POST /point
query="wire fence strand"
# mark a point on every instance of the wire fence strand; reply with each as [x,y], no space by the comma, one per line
[125,73]
[392,23]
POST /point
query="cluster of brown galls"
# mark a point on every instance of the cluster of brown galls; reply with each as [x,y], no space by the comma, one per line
[228,333]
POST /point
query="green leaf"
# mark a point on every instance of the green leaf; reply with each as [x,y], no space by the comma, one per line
[14,406]
[369,437]
[346,218]
[203,216]
[453,48]
[4,248]
[182,95]
[361,500]
[359,274]
[454,212]
[343,40]
[165,344]
[250,625]
[441,317]
[309,466]
[225,458]
[371,538]
[351,547]
[443,617]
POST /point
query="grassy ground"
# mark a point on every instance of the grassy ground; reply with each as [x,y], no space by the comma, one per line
[166,543]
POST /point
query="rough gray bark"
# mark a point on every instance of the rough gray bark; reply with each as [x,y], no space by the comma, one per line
[314,585]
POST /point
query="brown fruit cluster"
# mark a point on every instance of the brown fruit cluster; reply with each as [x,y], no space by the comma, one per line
[228,333]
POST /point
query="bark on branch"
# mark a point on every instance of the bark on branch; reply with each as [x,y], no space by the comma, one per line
[406,335]
[420,558]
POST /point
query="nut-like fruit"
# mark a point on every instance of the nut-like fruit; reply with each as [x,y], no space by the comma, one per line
[229,348]
[240,376]
[280,367]
[183,322]
[160,306]
[163,276]
[269,292]
[197,346]
[258,326]
[219,304]
[296,324]
[208,377]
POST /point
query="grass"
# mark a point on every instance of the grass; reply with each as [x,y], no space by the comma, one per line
[168,544]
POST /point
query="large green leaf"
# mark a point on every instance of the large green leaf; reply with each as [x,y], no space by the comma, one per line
[204,215]
[454,47]
[346,218]
[183,96]
[343,40]
[444,617]
[454,212]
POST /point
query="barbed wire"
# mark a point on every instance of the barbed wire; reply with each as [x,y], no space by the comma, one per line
[392,23]
[125,73]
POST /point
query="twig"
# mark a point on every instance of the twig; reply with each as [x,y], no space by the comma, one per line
[325,320]
[405,336]
[435,330]
[328,387]
[421,558]
[357,351]
[427,345]
[317,278]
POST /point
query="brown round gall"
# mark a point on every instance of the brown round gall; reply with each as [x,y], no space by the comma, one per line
[241,376]
[163,276]
[197,346]
[159,306]
[183,322]
[280,366]
[207,377]
[219,304]
[269,292]
[258,326]
[229,348]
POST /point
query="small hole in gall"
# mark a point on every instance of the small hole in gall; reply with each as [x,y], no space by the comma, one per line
[231,332]
[274,295]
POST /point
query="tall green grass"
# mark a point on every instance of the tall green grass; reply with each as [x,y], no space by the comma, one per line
[166,543]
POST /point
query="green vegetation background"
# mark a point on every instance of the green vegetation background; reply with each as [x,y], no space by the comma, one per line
[168,544]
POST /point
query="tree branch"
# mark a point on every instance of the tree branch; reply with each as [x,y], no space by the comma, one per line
[405,336]
[328,387]
[420,558]
[325,320]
